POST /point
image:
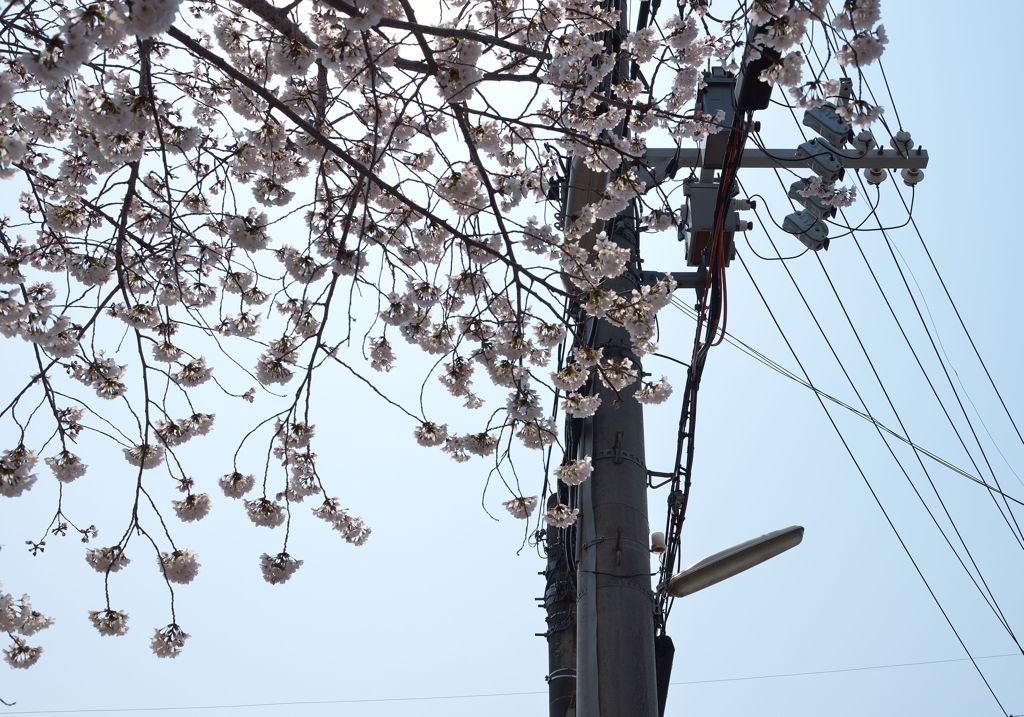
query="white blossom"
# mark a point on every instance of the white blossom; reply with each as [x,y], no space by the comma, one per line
[15,471]
[104,559]
[246,324]
[571,377]
[537,434]
[481,444]
[193,373]
[21,655]
[151,17]
[458,67]
[271,369]
[353,530]
[521,507]
[576,471]
[765,11]
[265,512]
[561,516]
[864,48]
[643,44]
[174,433]
[859,113]
[549,335]
[193,507]
[109,622]
[166,352]
[168,641]
[144,455]
[858,15]
[588,357]
[249,232]
[787,72]
[829,194]
[652,392]
[579,405]
[18,616]
[429,433]
[179,566]
[523,404]
[235,484]
[382,357]
[278,568]
[617,374]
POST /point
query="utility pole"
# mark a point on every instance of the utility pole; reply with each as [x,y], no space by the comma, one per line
[559,601]
[617,666]
[614,625]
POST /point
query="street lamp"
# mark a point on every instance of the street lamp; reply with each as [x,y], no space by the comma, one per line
[734,560]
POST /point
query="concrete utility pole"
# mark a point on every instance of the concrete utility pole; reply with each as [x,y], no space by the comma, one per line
[611,670]
[560,604]
[614,625]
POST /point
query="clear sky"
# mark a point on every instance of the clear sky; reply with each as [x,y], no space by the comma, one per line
[440,602]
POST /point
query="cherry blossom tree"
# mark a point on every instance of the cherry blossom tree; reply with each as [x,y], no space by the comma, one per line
[232,199]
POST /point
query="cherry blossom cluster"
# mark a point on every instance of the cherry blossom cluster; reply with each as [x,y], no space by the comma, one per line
[16,474]
[179,566]
[854,30]
[19,620]
[278,568]
[521,507]
[561,516]
[828,193]
[168,641]
[109,622]
[353,530]
[575,471]
[234,199]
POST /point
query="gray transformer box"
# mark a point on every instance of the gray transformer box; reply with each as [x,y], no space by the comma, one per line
[716,96]
[701,199]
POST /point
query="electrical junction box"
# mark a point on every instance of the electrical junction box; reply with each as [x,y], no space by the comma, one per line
[808,228]
[696,231]
[814,205]
[753,93]
[823,158]
[715,97]
[825,121]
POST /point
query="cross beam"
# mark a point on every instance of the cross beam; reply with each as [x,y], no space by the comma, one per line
[659,160]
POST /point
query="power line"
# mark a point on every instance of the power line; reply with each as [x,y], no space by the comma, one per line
[992,603]
[864,477]
[782,370]
[990,597]
[426,698]
[963,325]
[862,668]
[1011,522]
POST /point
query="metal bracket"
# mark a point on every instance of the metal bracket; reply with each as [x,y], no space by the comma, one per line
[684,279]
[619,455]
[562,674]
